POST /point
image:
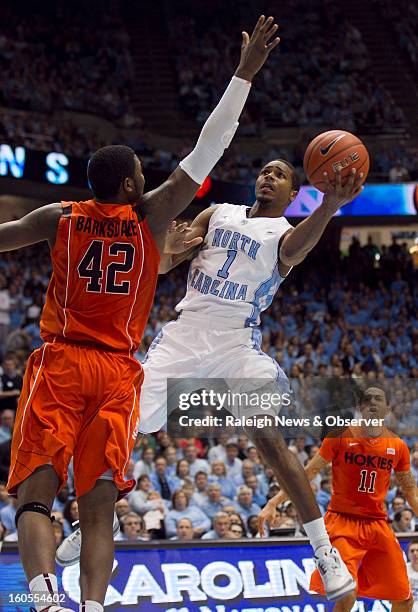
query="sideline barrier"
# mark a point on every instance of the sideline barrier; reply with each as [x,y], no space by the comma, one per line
[200,576]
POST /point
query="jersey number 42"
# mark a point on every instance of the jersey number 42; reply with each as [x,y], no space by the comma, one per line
[105,280]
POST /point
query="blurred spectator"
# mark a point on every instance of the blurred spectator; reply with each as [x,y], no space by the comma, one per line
[245,504]
[184,530]
[402,521]
[132,528]
[195,464]
[221,527]
[145,465]
[182,509]
[412,567]
[215,503]
[71,516]
[11,383]
[164,484]
[6,425]
[324,495]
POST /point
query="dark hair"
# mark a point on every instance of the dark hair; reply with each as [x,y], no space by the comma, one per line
[232,445]
[374,385]
[199,473]
[295,176]
[108,167]
[67,511]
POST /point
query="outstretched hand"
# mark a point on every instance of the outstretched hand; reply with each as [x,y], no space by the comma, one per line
[267,514]
[336,194]
[256,48]
[176,238]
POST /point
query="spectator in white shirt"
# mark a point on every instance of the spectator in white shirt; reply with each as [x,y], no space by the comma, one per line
[146,464]
[195,465]
[218,452]
[233,464]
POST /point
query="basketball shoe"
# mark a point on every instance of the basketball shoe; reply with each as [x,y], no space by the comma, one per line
[337,580]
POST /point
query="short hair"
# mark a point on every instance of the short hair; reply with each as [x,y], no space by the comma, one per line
[232,445]
[220,515]
[108,167]
[294,174]
[199,473]
[374,385]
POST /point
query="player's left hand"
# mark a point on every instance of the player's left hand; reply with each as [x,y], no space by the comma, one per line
[176,239]
[256,48]
[336,194]
[268,513]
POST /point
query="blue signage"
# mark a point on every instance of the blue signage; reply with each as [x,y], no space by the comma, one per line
[253,576]
[21,163]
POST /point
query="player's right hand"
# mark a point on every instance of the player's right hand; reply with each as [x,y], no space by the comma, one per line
[267,514]
[176,239]
[256,49]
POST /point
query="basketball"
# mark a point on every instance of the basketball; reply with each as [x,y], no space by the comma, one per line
[331,151]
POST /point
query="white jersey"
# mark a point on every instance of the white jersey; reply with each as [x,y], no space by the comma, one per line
[413,579]
[235,275]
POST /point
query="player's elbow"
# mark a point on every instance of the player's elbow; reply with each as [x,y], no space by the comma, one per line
[290,257]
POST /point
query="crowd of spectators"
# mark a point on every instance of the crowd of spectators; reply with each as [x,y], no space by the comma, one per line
[319,75]
[360,322]
[402,16]
[82,63]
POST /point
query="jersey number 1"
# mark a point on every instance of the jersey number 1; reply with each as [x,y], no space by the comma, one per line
[224,271]
[363,482]
[91,267]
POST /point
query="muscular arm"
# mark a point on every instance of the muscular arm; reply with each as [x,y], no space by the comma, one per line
[409,488]
[198,229]
[165,203]
[315,465]
[40,224]
[302,239]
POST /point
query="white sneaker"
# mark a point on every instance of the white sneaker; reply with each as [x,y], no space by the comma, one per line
[337,580]
[68,552]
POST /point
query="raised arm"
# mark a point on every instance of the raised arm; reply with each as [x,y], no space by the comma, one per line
[268,513]
[302,239]
[165,203]
[40,224]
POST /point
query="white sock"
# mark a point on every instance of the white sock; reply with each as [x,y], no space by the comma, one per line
[318,536]
[45,586]
[90,606]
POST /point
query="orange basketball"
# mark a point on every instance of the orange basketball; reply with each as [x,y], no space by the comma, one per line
[333,150]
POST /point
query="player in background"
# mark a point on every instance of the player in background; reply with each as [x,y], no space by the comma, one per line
[246,254]
[412,569]
[81,389]
[362,460]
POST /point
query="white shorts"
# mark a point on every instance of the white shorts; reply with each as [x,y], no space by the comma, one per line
[185,351]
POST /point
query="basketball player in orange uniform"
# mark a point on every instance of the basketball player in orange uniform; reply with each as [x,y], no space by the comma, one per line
[362,461]
[82,387]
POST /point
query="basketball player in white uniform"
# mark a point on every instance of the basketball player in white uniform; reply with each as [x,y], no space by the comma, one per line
[245,255]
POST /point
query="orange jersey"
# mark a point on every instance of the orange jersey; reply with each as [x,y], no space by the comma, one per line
[361,470]
[105,268]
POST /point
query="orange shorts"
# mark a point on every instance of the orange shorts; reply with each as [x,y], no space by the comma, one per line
[78,402]
[372,554]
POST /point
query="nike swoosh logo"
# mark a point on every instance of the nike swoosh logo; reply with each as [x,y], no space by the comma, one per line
[352,443]
[327,149]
